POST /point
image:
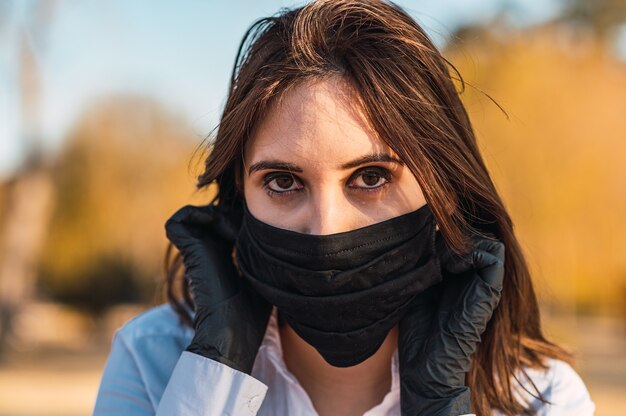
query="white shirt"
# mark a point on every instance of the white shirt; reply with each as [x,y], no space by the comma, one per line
[148,372]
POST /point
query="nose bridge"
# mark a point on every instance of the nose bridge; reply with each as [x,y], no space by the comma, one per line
[329,211]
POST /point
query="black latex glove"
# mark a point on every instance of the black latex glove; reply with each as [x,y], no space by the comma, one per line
[442,329]
[231,318]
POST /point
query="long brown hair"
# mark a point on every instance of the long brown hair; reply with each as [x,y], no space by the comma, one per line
[403,84]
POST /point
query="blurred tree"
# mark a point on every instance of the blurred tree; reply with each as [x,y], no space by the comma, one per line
[109,279]
[123,172]
[558,161]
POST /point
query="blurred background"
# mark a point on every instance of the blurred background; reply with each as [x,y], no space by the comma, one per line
[103,107]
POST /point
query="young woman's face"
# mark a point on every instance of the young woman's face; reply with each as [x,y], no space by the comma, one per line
[314,166]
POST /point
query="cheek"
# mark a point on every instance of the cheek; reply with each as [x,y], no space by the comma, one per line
[255,198]
[273,210]
[408,194]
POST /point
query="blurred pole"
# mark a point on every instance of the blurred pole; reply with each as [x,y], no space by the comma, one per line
[29,192]
[28,198]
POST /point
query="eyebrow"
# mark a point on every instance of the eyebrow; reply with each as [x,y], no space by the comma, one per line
[374,157]
[291,167]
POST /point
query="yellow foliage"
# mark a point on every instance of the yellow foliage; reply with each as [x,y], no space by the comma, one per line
[559,161]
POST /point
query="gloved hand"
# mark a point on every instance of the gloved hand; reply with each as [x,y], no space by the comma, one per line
[231,318]
[443,327]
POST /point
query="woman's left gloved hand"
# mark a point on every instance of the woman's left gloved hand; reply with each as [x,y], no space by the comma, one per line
[443,327]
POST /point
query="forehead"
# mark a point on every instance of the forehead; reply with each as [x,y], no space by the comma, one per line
[317,123]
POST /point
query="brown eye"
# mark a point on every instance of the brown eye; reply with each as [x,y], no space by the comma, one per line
[370,178]
[282,182]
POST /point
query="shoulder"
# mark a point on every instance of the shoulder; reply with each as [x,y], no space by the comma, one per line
[560,385]
[158,327]
[144,352]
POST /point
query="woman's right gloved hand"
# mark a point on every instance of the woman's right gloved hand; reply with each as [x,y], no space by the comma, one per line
[231,318]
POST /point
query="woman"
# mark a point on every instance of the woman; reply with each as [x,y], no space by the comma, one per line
[357,258]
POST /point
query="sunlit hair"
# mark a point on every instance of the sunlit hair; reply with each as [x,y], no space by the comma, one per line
[403,84]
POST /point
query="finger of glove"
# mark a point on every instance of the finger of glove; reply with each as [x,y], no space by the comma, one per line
[188,223]
[489,262]
[460,327]
[470,297]
[485,254]
[486,265]
[193,221]
[208,265]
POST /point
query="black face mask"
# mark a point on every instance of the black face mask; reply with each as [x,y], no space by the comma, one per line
[342,293]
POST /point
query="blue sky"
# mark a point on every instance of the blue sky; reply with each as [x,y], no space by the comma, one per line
[178,52]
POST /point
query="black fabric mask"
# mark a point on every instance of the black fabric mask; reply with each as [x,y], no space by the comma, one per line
[342,293]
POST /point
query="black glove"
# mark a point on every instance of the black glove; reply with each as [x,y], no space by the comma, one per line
[231,318]
[442,329]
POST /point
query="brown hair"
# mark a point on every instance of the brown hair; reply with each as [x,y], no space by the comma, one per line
[403,84]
